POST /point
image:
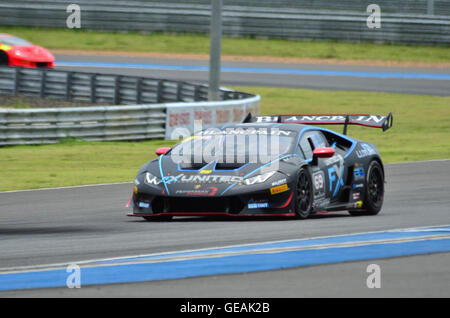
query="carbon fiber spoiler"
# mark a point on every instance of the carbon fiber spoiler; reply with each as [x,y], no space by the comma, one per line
[375,121]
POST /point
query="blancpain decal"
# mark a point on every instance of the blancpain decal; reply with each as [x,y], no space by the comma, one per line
[246,131]
[334,118]
[339,119]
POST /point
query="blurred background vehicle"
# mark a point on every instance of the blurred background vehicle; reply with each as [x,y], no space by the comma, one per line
[15,51]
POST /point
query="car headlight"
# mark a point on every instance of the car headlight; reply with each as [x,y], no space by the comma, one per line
[151,179]
[260,178]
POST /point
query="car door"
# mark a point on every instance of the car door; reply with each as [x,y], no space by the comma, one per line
[327,174]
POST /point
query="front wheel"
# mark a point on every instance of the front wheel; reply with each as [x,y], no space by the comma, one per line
[4,60]
[304,194]
[374,190]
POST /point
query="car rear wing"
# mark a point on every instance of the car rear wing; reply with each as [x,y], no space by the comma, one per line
[375,121]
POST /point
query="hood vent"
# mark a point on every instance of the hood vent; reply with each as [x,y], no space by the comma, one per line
[217,166]
[229,166]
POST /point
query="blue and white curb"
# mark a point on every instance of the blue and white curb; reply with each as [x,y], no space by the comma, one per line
[236,259]
[256,70]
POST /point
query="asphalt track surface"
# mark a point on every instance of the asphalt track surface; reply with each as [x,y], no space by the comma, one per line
[89,223]
[72,225]
[411,80]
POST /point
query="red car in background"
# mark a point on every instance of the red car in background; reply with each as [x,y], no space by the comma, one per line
[15,51]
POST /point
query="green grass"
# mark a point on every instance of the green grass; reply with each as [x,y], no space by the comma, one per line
[421,131]
[73,163]
[199,44]
[19,103]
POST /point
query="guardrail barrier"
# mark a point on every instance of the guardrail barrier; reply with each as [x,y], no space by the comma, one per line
[144,108]
[402,21]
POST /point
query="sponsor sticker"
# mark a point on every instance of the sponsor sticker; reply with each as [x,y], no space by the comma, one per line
[209,191]
[276,183]
[279,189]
[358,173]
[260,205]
[246,131]
[321,203]
[144,205]
[365,150]
[319,181]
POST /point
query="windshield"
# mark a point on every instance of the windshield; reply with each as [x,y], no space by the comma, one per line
[12,40]
[234,146]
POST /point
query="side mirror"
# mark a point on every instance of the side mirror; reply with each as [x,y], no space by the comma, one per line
[325,152]
[162,150]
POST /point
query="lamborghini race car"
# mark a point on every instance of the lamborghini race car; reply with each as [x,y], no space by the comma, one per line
[18,52]
[265,166]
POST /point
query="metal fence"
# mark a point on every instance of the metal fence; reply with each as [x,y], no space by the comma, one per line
[101,88]
[321,20]
[130,122]
[40,126]
[439,7]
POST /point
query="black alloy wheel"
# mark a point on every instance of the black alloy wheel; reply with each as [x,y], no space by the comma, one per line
[304,194]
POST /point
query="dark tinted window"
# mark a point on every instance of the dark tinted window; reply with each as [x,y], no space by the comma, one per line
[311,140]
[12,40]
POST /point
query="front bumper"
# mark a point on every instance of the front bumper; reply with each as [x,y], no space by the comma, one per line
[19,62]
[254,204]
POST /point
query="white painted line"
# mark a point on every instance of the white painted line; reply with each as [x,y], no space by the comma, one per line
[44,267]
[420,161]
[69,187]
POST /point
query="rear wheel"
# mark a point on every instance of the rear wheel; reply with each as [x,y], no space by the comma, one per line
[304,194]
[374,190]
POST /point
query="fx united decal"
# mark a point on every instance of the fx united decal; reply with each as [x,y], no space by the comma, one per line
[335,175]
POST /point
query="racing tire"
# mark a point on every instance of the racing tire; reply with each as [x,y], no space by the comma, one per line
[4,60]
[373,199]
[304,194]
[159,218]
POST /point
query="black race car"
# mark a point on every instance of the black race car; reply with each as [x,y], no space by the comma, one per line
[265,166]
